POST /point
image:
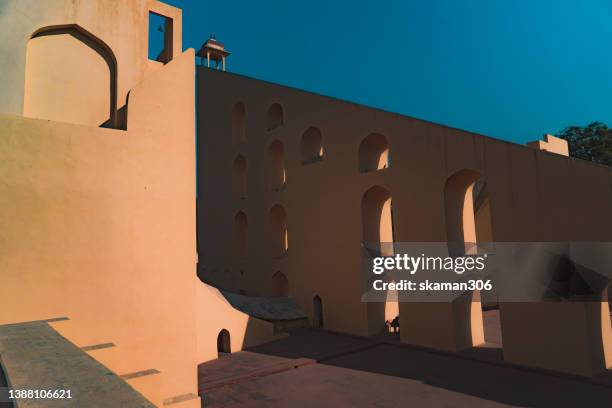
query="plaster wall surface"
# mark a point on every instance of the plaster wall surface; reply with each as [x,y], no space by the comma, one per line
[215,313]
[552,144]
[98,227]
[534,195]
[98,224]
[121,25]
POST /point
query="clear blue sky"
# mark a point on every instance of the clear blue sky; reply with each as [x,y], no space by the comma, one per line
[511,69]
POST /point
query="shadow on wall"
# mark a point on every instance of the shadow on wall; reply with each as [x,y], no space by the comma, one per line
[253,334]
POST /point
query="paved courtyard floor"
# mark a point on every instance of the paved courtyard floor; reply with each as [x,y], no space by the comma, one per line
[314,368]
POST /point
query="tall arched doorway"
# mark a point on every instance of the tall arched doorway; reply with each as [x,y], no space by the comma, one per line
[279,285]
[467,209]
[223,342]
[377,220]
[317,312]
[378,231]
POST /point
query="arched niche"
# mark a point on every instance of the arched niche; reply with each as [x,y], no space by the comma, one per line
[239,177]
[276,158]
[275,116]
[373,153]
[279,241]
[311,145]
[279,285]
[239,123]
[241,225]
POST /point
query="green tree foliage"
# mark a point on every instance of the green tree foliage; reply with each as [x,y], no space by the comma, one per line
[592,143]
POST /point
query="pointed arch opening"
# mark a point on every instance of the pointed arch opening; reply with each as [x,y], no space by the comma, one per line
[239,177]
[275,117]
[239,123]
[311,146]
[276,158]
[280,285]
[70,76]
[279,240]
[374,153]
[241,225]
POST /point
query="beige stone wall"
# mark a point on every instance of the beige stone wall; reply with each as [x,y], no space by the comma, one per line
[98,227]
[98,224]
[551,144]
[215,313]
[534,195]
[121,25]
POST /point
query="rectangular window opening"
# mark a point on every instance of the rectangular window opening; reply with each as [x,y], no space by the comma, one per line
[160,38]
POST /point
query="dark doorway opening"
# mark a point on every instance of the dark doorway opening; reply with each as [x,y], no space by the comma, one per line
[317,315]
[223,342]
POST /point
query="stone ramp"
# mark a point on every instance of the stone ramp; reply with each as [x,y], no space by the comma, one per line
[35,356]
[282,311]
